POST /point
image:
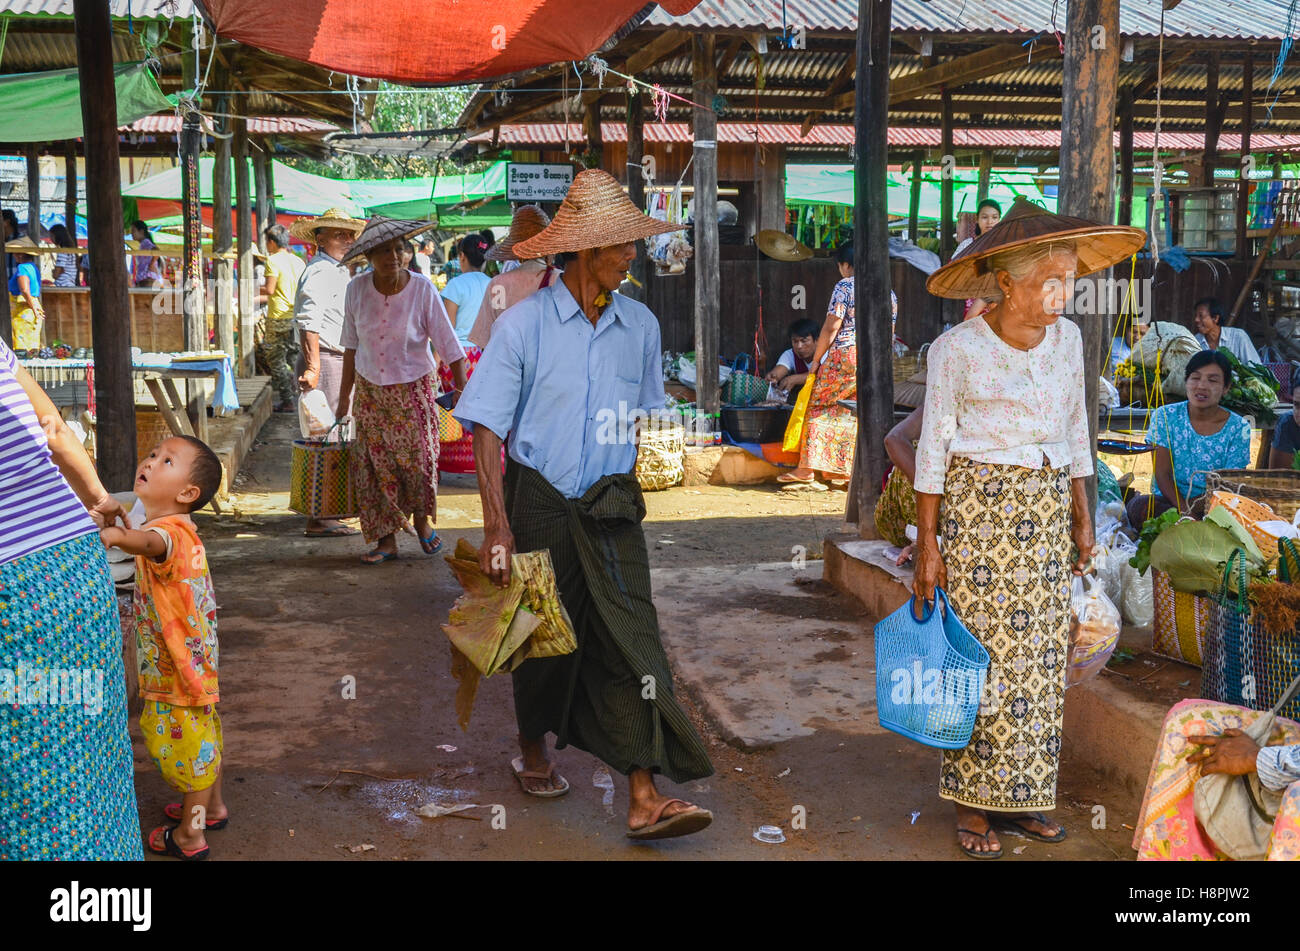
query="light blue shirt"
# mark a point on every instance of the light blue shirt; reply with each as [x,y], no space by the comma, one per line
[564,391]
[466,292]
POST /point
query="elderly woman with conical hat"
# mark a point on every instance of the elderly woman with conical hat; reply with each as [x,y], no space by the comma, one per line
[390,318]
[566,372]
[1005,449]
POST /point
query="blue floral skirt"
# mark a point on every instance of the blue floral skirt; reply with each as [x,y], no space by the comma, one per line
[66,767]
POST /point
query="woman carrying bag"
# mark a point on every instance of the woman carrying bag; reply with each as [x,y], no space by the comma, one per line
[1005,448]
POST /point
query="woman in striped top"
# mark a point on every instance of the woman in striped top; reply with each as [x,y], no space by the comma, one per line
[66,787]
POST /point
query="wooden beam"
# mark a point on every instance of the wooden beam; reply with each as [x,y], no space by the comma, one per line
[262,205]
[1126,157]
[195,324]
[729,55]
[965,69]
[1243,186]
[246,242]
[110,307]
[636,186]
[914,200]
[946,236]
[837,83]
[70,187]
[707,305]
[1148,82]
[875,379]
[221,230]
[1213,119]
[985,175]
[1089,91]
[33,192]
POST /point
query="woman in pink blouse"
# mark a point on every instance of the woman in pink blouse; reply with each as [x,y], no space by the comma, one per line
[1005,448]
[390,318]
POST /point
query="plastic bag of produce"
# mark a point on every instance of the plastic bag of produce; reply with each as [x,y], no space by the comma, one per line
[1094,630]
[1138,598]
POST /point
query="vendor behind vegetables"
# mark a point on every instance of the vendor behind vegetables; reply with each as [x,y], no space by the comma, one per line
[794,365]
[1193,438]
[1286,439]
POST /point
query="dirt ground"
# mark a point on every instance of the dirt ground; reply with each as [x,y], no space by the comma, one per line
[311,775]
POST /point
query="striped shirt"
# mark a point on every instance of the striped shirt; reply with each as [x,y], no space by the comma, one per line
[37,506]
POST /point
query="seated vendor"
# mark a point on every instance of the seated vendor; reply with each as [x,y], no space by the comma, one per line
[896,507]
[1286,439]
[1121,345]
[1208,318]
[1191,439]
[792,367]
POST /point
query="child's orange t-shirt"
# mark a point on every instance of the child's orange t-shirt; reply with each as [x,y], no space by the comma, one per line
[176,619]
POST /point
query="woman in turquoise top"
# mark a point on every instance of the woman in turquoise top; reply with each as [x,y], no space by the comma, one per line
[1193,438]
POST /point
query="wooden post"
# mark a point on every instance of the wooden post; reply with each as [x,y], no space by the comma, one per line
[1243,186]
[636,186]
[70,187]
[595,136]
[1091,82]
[707,306]
[244,216]
[947,236]
[871,263]
[110,311]
[221,231]
[1126,158]
[262,206]
[33,192]
[986,176]
[271,212]
[1213,120]
[195,323]
[914,202]
[770,177]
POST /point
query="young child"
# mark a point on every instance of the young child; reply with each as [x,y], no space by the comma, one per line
[176,637]
[791,370]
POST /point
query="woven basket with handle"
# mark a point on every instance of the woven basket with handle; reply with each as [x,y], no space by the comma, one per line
[1279,489]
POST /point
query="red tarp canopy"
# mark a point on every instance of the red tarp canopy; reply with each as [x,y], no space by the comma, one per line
[451,41]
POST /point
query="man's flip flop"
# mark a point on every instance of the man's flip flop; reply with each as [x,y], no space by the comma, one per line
[369,557]
[976,853]
[550,775]
[684,823]
[173,812]
[164,844]
[1014,827]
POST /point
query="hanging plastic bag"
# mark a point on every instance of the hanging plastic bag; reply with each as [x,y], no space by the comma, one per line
[1094,630]
[794,428]
[1138,598]
[315,418]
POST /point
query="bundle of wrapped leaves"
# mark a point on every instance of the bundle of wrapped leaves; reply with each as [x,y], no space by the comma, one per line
[495,628]
[1193,554]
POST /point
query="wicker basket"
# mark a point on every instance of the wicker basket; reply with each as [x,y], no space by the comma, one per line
[1249,513]
[1279,489]
[150,429]
[659,457]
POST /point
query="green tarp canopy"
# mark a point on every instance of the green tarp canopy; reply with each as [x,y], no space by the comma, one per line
[46,107]
[833,185]
[494,214]
[295,192]
[425,198]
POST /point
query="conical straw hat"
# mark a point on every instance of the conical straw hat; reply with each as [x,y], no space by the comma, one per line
[380,230]
[304,228]
[595,214]
[1097,246]
[528,220]
[780,246]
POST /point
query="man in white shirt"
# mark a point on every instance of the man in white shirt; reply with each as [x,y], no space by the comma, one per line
[1214,336]
[424,257]
[318,316]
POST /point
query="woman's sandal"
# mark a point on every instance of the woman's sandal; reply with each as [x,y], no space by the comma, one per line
[168,846]
[369,557]
[173,812]
[976,853]
[1016,827]
[431,545]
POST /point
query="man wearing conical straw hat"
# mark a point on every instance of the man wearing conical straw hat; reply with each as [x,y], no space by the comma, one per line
[561,365]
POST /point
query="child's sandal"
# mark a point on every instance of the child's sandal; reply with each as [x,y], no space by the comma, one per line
[168,846]
[173,812]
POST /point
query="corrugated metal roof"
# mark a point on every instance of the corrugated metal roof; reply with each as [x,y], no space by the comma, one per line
[135,9]
[832,136]
[1193,18]
[257,125]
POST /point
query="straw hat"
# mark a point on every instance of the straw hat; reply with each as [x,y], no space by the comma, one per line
[1098,246]
[20,244]
[304,228]
[380,230]
[780,246]
[527,221]
[594,214]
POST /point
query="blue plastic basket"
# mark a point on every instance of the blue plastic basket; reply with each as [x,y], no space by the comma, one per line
[929,675]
